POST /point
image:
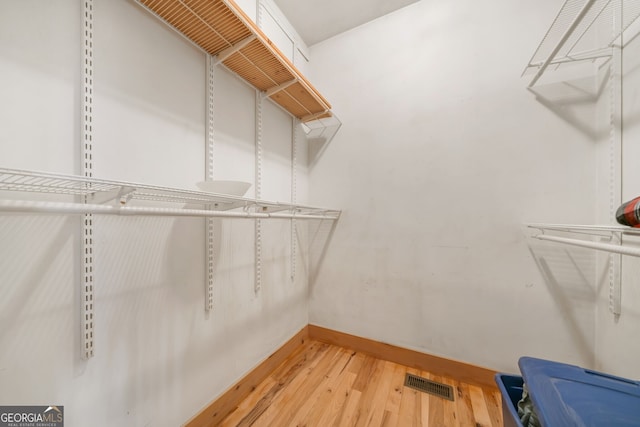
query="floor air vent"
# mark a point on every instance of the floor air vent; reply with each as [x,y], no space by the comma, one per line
[443,390]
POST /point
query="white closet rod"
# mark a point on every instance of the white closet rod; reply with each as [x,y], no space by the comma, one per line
[624,250]
[21,206]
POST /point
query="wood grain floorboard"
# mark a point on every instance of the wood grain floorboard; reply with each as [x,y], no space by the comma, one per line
[325,385]
[392,405]
[493,400]
[436,407]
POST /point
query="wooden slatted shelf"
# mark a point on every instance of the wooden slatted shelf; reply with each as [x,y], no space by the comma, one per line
[222,29]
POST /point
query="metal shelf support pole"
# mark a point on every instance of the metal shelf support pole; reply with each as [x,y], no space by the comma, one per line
[294,189]
[258,178]
[87,170]
[615,162]
[209,224]
[258,195]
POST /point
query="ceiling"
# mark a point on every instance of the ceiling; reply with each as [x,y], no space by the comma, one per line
[317,20]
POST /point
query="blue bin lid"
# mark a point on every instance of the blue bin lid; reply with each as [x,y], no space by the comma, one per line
[567,395]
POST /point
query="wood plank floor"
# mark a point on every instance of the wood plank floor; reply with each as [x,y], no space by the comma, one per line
[325,385]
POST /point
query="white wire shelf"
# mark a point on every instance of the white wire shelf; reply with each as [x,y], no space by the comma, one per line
[607,238]
[108,197]
[613,233]
[583,30]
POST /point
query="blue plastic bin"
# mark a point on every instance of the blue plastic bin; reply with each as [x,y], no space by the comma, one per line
[511,390]
[570,396]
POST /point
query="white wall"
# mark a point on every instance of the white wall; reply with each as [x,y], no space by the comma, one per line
[154,346]
[442,156]
[40,63]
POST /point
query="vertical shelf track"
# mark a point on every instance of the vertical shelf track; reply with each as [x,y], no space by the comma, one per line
[258,178]
[294,172]
[209,176]
[615,158]
[87,294]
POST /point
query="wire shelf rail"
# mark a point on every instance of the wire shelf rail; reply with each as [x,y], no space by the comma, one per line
[115,197]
